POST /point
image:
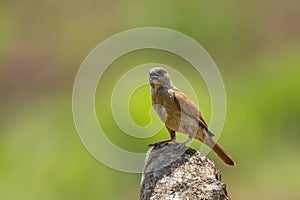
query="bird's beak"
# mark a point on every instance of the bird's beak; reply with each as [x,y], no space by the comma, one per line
[153,76]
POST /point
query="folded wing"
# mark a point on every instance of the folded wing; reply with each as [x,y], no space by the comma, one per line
[188,107]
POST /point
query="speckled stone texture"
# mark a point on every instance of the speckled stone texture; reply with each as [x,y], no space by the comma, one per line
[172,174]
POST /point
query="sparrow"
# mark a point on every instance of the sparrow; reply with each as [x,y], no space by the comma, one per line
[180,114]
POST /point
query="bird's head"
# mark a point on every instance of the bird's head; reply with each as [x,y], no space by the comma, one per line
[159,77]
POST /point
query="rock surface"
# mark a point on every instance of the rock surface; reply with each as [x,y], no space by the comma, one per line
[172,173]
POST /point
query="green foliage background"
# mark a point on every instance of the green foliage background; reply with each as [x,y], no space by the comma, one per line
[255,44]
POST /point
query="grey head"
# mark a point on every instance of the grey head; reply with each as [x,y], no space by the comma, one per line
[158,76]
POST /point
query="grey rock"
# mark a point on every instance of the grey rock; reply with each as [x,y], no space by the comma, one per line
[180,174]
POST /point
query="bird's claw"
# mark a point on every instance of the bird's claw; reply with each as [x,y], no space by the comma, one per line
[157,144]
[160,143]
[180,145]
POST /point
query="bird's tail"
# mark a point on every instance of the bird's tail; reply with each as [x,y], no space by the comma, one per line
[222,154]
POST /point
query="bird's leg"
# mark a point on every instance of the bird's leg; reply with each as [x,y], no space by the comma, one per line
[173,138]
[172,134]
[183,144]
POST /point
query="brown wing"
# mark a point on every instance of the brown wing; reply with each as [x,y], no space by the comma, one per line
[188,106]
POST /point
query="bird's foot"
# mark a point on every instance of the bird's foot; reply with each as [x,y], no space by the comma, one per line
[160,143]
[180,145]
[183,144]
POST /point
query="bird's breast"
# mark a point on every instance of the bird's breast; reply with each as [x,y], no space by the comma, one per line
[161,112]
[166,108]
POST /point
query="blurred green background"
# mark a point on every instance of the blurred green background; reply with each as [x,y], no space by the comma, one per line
[255,44]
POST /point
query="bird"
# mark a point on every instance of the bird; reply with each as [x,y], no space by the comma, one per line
[180,114]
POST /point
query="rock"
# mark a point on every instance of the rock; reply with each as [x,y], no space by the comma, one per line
[171,173]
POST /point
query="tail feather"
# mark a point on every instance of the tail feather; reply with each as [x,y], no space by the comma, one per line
[221,153]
